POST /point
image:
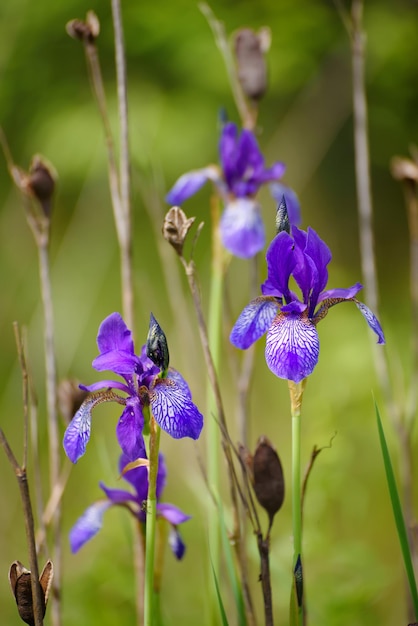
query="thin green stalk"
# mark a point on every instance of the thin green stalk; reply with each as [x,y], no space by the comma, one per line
[154,444]
[213,432]
[296,394]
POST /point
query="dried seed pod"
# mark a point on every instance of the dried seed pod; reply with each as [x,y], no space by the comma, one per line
[268,477]
[157,347]
[87,31]
[404,169]
[250,49]
[20,583]
[175,228]
[41,183]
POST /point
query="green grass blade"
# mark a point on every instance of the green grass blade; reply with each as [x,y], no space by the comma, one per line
[218,595]
[234,580]
[397,512]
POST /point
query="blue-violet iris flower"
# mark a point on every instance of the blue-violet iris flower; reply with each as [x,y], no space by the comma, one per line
[88,525]
[169,398]
[292,346]
[241,175]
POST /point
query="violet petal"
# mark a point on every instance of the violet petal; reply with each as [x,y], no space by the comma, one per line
[174,411]
[254,321]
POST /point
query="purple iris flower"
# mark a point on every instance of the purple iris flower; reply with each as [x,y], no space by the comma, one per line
[292,346]
[169,398]
[89,524]
[241,175]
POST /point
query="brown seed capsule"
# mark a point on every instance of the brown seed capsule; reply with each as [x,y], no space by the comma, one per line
[87,31]
[175,228]
[250,49]
[268,477]
[20,583]
[404,169]
[41,183]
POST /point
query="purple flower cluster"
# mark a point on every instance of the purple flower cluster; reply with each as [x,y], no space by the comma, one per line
[292,346]
[169,398]
[147,383]
[241,175]
[88,525]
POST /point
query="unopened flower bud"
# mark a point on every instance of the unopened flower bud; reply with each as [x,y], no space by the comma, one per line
[41,183]
[268,477]
[20,583]
[87,31]
[250,49]
[157,348]
[175,228]
[282,217]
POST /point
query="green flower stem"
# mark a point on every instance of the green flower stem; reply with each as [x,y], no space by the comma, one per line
[213,432]
[154,444]
[296,394]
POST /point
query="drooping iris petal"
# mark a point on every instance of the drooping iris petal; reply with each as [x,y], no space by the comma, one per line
[176,543]
[161,476]
[242,228]
[278,190]
[117,496]
[77,434]
[347,293]
[189,183]
[172,513]
[174,411]
[372,320]
[254,321]
[106,384]
[129,429]
[88,524]
[292,346]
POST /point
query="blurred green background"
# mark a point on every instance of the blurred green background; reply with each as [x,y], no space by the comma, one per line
[177,85]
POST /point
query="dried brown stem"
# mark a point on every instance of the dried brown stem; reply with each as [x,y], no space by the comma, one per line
[20,473]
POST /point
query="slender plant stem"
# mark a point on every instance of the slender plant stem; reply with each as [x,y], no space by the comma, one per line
[296,395]
[22,480]
[213,434]
[154,442]
[53,430]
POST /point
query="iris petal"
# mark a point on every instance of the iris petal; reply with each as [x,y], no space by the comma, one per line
[281,262]
[292,347]
[372,321]
[174,411]
[242,228]
[172,514]
[77,434]
[114,335]
[176,543]
[88,524]
[129,429]
[188,184]
[254,321]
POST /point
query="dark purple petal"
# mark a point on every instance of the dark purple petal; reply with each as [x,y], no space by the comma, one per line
[118,496]
[176,543]
[372,321]
[254,321]
[321,255]
[281,262]
[114,335]
[242,228]
[227,152]
[122,363]
[278,190]
[129,429]
[138,478]
[161,476]
[292,346]
[88,524]
[270,174]
[188,184]
[106,384]
[174,411]
[347,293]
[77,434]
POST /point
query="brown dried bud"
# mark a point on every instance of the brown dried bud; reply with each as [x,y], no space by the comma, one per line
[175,228]
[70,398]
[87,31]
[404,169]
[20,583]
[268,477]
[250,49]
[41,183]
